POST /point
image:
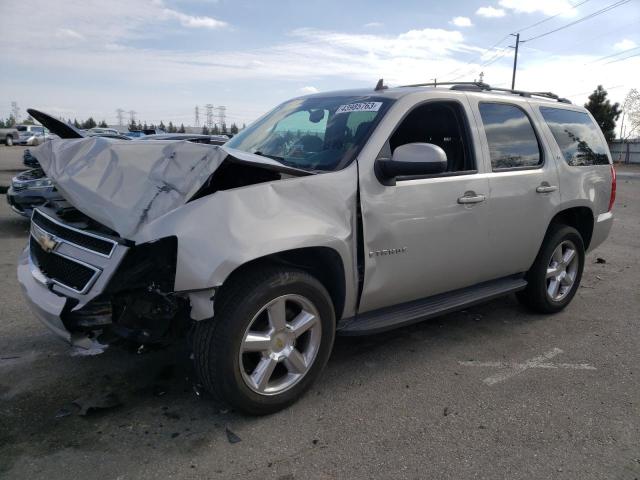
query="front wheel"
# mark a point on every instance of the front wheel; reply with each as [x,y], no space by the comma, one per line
[9,141]
[555,275]
[269,340]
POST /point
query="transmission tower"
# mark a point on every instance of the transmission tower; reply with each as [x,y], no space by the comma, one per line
[197,122]
[221,117]
[209,108]
[120,114]
[132,116]
[15,111]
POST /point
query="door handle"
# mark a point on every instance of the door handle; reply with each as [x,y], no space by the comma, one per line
[471,197]
[546,188]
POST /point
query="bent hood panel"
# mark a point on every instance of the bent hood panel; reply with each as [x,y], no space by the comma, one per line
[124,185]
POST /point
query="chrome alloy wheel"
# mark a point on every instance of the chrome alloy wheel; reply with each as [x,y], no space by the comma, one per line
[562,271]
[280,344]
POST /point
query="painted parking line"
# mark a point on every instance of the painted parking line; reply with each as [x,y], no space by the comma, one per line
[511,369]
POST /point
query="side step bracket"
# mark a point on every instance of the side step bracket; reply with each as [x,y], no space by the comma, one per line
[403,314]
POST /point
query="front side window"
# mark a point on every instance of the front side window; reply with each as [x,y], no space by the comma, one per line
[512,140]
[439,123]
[577,136]
[314,133]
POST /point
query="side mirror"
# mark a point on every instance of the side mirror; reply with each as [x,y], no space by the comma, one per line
[413,159]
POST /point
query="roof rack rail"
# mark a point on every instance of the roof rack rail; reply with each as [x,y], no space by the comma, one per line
[483,87]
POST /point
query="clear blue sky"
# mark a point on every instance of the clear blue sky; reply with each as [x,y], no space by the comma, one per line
[161,58]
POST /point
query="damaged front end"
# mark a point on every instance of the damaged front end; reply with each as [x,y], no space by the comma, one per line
[92,288]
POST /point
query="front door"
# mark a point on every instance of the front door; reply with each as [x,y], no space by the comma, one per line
[424,236]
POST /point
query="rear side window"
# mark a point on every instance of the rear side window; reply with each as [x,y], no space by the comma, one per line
[512,140]
[577,136]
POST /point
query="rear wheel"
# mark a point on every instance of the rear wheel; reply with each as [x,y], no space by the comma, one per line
[556,273]
[270,338]
[9,141]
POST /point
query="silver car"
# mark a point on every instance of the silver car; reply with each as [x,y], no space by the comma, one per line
[349,212]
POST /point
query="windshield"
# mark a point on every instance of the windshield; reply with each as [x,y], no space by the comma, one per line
[315,133]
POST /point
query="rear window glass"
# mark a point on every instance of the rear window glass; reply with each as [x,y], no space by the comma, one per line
[577,136]
[512,140]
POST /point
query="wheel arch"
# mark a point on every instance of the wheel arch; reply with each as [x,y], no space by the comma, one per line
[580,218]
[323,263]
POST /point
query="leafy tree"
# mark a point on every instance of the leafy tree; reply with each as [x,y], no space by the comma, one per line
[162,126]
[215,130]
[29,121]
[76,123]
[145,126]
[233,129]
[171,128]
[182,130]
[205,130]
[604,112]
[103,124]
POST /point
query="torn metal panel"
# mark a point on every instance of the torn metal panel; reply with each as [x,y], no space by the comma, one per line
[124,185]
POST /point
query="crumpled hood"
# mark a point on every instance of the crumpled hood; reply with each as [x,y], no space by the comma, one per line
[126,184]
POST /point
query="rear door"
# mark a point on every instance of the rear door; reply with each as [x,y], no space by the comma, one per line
[523,183]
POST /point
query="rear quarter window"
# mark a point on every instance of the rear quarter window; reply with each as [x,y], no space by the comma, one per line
[577,136]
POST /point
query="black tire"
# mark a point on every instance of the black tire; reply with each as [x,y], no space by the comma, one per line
[217,341]
[535,296]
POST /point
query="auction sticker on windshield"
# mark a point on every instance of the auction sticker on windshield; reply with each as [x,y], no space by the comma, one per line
[359,107]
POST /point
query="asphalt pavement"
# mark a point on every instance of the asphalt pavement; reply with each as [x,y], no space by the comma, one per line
[491,392]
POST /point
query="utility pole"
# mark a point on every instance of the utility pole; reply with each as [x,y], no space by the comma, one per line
[515,60]
[197,122]
[120,114]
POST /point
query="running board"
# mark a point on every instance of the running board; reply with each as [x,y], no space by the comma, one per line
[403,314]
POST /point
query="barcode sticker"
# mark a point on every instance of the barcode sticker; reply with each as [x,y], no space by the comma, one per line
[359,107]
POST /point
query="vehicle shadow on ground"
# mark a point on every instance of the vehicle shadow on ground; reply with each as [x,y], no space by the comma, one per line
[13,226]
[156,395]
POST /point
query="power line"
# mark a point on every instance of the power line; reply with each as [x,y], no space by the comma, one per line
[502,53]
[582,19]
[520,30]
[612,55]
[623,59]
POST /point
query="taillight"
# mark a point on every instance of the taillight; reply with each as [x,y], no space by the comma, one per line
[612,199]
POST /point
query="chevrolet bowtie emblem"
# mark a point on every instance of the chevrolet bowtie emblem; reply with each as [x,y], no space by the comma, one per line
[47,242]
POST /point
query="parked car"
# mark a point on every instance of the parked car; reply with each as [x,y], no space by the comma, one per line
[135,134]
[29,160]
[9,136]
[101,131]
[417,201]
[30,189]
[30,134]
[190,137]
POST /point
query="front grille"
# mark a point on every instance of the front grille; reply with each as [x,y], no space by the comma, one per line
[61,269]
[95,244]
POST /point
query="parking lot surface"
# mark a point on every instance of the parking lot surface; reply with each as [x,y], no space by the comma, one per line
[490,392]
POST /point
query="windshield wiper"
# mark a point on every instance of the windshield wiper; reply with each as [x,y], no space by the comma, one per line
[272,157]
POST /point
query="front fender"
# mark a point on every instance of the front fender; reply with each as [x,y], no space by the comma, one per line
[220,232]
